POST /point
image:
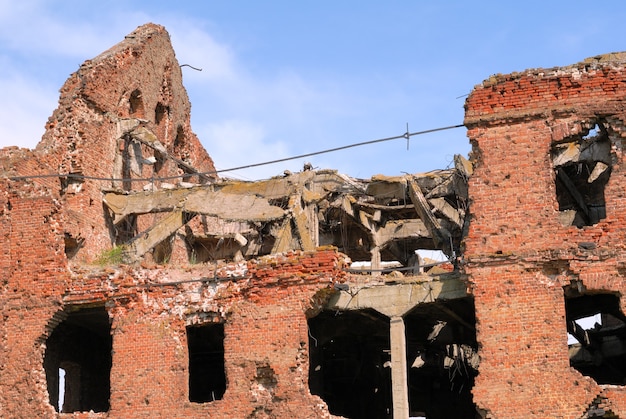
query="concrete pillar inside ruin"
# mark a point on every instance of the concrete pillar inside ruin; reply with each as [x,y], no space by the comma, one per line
[375,261]
[399,383]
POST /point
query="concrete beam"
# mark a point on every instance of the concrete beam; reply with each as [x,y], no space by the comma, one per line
[146,241]
[398,299]
[301,222]
[200,200]
[399,381]
[400,230]
[283,238]
[451,213]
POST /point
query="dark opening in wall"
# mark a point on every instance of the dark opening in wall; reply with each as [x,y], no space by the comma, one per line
[162,252]
[80,346]
[207,376]
[72,244]
[349,363]
[135,104]
[179,141]
[597,335]
[582,165]
[442,359]
[125,230]
[207,249]
[159,112]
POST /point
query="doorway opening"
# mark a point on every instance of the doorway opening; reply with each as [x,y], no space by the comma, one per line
[442,359]
[350,363]
[77,361]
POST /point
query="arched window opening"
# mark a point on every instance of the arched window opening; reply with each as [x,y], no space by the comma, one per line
[78,362]
[179,141]
[160,112]
[135,104]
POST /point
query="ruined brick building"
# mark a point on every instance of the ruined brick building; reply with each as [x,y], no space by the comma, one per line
[137,283]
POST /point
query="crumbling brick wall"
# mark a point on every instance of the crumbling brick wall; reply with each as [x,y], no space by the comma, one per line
[518,254]
[528,248]
[262,305]
[132,90]
[34,277]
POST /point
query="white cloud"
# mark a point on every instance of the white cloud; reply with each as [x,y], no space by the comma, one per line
[25,106]
[240,116]
[199,49]
[29,27]
[236,143]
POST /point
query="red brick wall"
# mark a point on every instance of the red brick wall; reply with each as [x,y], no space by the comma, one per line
[263,308]
[83,137]
[264,325]
[517,254]
[33,280]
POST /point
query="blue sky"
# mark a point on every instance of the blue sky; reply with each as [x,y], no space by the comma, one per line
[282,78]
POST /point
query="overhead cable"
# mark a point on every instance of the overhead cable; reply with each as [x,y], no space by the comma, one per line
[406,136]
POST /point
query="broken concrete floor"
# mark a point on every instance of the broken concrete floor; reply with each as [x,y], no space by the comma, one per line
[137,283]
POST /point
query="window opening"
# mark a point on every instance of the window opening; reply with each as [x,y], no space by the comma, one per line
[72,244]
[596,330]
[162,252]
[136,104]
[442,359]
[349,363]
[207,376]
[179,141]
[159,112]
[582,166]
[78,362]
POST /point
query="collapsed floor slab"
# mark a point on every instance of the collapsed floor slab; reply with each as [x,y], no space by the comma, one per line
[174,278]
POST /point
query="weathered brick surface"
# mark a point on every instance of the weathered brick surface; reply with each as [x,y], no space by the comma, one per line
[518,255]
[84,135]
[33,280]
[265,326]
[262,303]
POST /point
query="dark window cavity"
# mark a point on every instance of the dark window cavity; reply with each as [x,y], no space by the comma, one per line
[78,361]
[596,330]
[582,165]
[207,377]
[135,104]
[349,363]
[442,359]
